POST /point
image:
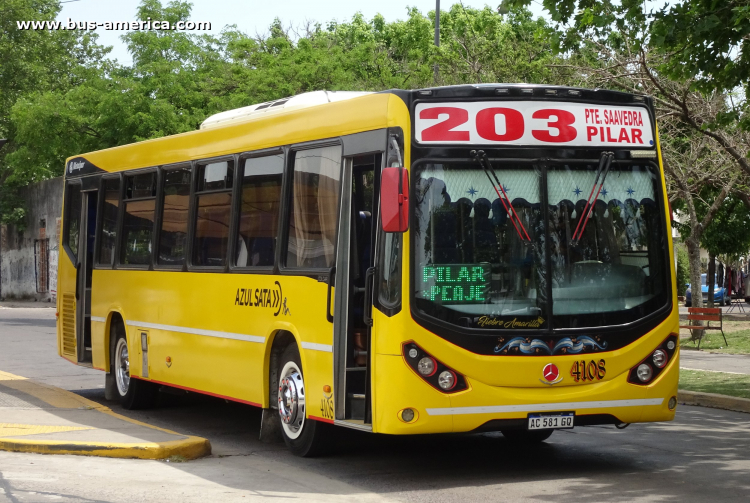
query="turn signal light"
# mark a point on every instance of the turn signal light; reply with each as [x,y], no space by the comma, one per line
[651,366]
[437,374]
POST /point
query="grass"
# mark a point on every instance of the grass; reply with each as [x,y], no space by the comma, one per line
[722,383]
[738,343]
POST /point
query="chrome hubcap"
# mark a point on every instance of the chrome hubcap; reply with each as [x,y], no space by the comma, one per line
[292,400]
[122,367]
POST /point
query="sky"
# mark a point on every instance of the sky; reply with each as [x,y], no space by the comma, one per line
[253,16]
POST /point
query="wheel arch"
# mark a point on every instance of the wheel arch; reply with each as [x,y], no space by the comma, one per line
[114,316]
[276,342]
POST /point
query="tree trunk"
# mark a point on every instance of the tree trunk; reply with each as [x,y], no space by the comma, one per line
[696,298]
[711,278]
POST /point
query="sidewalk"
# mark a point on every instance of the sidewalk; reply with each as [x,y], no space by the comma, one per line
[36,417]
[25,304]
[716,362]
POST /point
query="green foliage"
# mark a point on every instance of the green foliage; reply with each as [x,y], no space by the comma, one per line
[728,234]
[706,40]
[35,62]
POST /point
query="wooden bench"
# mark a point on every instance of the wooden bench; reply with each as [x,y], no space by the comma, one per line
[707,314]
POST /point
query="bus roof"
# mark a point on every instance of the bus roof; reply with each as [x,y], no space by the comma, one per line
[356,112]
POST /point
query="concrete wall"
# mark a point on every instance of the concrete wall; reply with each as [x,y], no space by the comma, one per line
[25,273]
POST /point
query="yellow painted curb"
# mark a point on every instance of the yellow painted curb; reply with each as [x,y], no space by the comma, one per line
[188,448]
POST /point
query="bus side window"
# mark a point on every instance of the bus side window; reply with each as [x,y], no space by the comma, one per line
[259,210]
[213,203]
[174,221]
[73,217]
[110,211]
[138,220]
[389,269]
[314,207]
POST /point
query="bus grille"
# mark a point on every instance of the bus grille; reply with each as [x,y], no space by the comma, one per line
[68,316]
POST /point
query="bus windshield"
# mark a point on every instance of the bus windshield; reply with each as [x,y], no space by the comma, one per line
[476,265]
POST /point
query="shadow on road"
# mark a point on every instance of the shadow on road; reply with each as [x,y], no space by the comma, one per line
[660,461]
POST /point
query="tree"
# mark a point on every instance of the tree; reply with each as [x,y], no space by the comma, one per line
[34,61]
[701,114]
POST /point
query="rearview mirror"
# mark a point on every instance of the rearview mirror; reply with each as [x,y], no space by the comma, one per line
[394,199]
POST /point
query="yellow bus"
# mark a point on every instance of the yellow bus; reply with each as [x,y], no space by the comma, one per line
[456,259]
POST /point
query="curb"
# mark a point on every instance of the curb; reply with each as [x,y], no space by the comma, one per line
[714,401]
[190,447]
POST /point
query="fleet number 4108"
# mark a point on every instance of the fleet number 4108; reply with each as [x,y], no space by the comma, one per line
[591,370]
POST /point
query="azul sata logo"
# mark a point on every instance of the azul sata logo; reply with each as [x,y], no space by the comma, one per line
[551,374]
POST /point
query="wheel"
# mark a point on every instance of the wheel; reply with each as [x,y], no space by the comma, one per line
[526,437]
[133,393]
[304,437]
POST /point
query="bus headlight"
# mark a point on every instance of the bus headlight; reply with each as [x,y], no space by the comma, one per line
[447,379]
[644,372]
[433,371]
[426,366]
[650,367]
[660,358]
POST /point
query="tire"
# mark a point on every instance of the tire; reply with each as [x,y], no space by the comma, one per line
[304,437]
[133,393]
[526,437]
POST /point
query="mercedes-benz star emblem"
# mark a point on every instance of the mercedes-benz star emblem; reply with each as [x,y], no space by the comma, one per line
[551,374]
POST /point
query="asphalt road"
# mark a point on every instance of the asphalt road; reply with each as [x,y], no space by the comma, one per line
[703,455]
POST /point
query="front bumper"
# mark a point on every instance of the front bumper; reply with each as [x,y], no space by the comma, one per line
[483,407]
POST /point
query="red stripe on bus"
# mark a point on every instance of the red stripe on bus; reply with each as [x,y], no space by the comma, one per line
[199,391]
[321,419]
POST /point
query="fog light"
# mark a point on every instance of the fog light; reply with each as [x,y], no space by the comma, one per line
[413,353]
[660,358]
[644,372]
[670,345]
[447,379]
[426,366]
[408,415]
[672,403]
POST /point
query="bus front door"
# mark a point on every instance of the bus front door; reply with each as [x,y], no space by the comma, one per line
[84,268]
[353,281]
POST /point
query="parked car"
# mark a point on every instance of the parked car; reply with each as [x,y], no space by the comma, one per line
[721,296]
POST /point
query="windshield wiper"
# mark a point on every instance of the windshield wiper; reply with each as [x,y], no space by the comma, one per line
[605,161]
[480,156]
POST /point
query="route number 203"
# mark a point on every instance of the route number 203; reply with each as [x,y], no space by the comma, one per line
[532,123]
[588,370]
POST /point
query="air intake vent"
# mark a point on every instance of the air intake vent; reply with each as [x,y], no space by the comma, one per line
[68,317]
